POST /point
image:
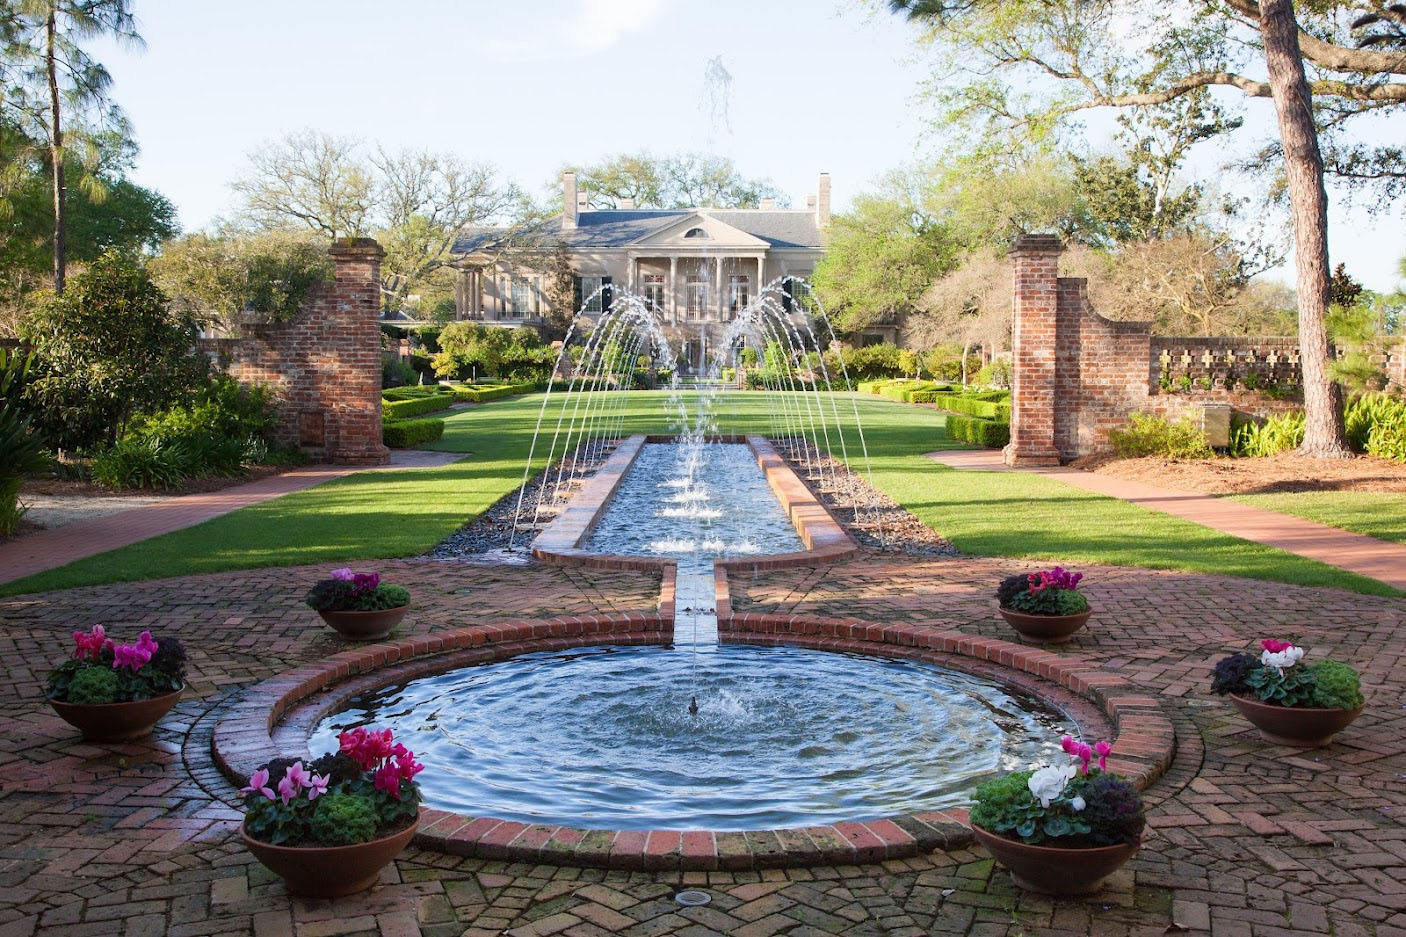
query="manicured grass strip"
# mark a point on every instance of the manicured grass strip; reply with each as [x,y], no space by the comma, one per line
[389,514]
[1381,515]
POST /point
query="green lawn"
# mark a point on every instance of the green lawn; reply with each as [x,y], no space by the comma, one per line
[388,514]
[1380,515]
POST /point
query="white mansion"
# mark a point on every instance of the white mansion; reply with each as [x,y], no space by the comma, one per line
[696,266]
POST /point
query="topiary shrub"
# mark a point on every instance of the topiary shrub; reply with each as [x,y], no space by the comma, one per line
[401,409]
[93,685]
[343,819]
[980,432]
[401,434]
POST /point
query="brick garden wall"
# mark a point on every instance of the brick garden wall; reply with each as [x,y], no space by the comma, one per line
[1077,375]
[326,363]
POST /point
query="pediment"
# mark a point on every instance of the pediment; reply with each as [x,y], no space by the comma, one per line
[701,231]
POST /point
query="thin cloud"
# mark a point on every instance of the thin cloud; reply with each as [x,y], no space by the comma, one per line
[593,27]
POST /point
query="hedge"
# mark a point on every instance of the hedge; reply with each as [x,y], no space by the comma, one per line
[979,432]
[401,434]
[966,404]
[401,409]
[412,391]
[479,394]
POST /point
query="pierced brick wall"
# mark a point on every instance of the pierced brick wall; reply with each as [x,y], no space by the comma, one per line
[326,363]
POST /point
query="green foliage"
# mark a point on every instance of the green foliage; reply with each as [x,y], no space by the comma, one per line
[979,405]
[221,407]
[996,374]
[514,354]
[1150,435]
[682,180]
[1124,205]
[1387,439]
[21,446]
[1278,433]
[988,433]
[1335,685]
[402,434]
[1112,811]
[93,684]
[476,394]
[414,391]
[141,462]
[414,406]
[228,279]
[382,598]
[343,819]
[108,348]
[1050,601]
[1294,686]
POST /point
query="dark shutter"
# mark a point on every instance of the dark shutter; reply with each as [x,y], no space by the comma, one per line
[607,294]
[786,295]
[576,297]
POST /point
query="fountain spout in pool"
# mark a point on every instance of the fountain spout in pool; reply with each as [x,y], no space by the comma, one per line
[693,707]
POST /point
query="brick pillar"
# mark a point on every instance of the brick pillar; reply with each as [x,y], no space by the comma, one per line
[1033,339]
[347,375]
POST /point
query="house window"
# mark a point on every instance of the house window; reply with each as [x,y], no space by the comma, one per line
[739,294]
[696,233]
[521,297]
[695,296]
[654,290]
[591,294]
[800,294]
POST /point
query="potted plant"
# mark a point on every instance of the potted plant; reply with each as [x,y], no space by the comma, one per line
[358,605]
[1045,607]
[114,691]
[329,828]
[1303,705]
[1063,829]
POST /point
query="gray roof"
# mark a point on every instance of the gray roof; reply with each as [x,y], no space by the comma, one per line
[779,228]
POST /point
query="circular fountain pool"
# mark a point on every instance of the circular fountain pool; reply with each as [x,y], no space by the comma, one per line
[784,736]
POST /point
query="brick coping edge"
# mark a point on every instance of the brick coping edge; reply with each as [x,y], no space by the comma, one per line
[275,717]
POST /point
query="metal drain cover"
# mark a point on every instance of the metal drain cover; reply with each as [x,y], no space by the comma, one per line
[692,898]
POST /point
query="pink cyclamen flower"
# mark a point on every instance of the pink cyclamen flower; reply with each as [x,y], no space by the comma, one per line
[1274,646]
[388,780]
[91,643]
[1103,749]
[317,786]
[134,656]
[344,574]
[298,775]
[407,766]
[259,784]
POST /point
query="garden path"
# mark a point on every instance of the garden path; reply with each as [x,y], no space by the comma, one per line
[1357,553]
[55,547]
[1247,839]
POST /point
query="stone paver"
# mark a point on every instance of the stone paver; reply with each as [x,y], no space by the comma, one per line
[49,549]
[1358,553]
[1247,839]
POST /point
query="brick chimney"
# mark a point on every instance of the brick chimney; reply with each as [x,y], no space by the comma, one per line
[822,201]
[568,201]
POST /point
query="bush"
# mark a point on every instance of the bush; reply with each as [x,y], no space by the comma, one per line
[1387,439]
[140,462]
[995,374]
[475,394]
[998,408]
[413,392]
[1335,686]
[402,434]
[1269,437]
[979,432]
[1149,435]
[343,819]
[401,409]
[397,373]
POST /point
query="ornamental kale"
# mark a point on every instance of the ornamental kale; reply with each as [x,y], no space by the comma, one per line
[1072,805]
[364,791]
[346,591]
[1276,677]
[1047,592]
[103,671]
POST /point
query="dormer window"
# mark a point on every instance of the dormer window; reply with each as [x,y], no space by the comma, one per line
[695,233]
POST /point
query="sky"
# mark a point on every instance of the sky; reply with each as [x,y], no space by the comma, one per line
[814,87]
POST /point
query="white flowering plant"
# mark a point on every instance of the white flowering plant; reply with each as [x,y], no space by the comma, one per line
[1076,805]
[1277,677]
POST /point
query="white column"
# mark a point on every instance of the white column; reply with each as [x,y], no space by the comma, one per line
[757,287]
[718,297]
[673,297]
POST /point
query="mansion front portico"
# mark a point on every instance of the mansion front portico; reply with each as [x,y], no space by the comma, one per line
[697,267]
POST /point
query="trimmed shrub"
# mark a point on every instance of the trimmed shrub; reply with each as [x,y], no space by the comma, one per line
[414,406]
[1148,435]
[402,434]
[967,404]
[979,432]
[478,394]
[413,392]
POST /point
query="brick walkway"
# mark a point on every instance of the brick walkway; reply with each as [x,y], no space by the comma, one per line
[1357,553]
[1248,839]
[50,549]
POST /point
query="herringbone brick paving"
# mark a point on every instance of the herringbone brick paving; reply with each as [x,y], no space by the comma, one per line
[1248,839]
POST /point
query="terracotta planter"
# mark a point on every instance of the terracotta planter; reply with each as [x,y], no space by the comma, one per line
[1297,726]
[365,626]
[330,871]
[114,722]
[1044,629]
[1055,870]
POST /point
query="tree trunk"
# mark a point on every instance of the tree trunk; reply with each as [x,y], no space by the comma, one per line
[56,154]
[1324,436]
